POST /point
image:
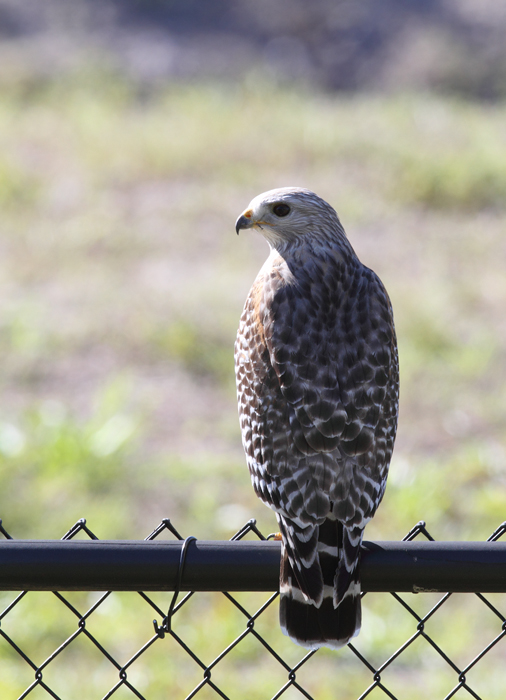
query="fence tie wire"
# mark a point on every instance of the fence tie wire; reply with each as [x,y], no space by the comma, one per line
[166,626]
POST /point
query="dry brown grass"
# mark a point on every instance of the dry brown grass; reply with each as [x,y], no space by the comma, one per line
[123,281]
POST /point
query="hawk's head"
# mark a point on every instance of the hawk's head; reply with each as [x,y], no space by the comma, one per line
[285,215]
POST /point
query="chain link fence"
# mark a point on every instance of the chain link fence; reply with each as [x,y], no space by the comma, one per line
[209,645]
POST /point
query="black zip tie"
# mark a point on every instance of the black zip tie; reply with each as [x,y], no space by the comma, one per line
[167,622]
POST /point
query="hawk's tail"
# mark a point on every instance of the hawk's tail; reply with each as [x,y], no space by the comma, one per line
[319,585]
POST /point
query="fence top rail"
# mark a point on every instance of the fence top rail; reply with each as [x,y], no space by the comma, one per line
[139,565]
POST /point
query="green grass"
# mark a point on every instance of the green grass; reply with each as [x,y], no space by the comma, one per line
[122,285]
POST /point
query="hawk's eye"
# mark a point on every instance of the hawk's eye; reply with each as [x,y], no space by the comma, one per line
[281,209]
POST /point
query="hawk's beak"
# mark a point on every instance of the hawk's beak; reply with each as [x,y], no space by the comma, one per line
[244,221]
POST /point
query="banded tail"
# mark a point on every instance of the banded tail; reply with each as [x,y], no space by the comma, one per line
[319,583]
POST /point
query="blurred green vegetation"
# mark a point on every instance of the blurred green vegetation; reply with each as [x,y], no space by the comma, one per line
[122,285]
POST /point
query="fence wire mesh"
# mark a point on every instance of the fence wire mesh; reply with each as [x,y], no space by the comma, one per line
[97,645]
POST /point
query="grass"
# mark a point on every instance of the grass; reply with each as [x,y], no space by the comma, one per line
[123,281]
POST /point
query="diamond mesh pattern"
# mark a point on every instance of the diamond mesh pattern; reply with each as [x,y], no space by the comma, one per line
[448,648]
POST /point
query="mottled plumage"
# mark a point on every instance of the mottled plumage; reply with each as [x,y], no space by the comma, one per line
[317,384]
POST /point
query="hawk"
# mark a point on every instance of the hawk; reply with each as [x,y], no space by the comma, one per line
[318,385]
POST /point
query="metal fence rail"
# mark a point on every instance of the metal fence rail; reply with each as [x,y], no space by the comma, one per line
[416,564]
[112,565]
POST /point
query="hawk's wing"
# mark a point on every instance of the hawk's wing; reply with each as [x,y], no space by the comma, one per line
[331,340]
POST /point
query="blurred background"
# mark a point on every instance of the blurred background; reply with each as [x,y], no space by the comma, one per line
[132,134]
